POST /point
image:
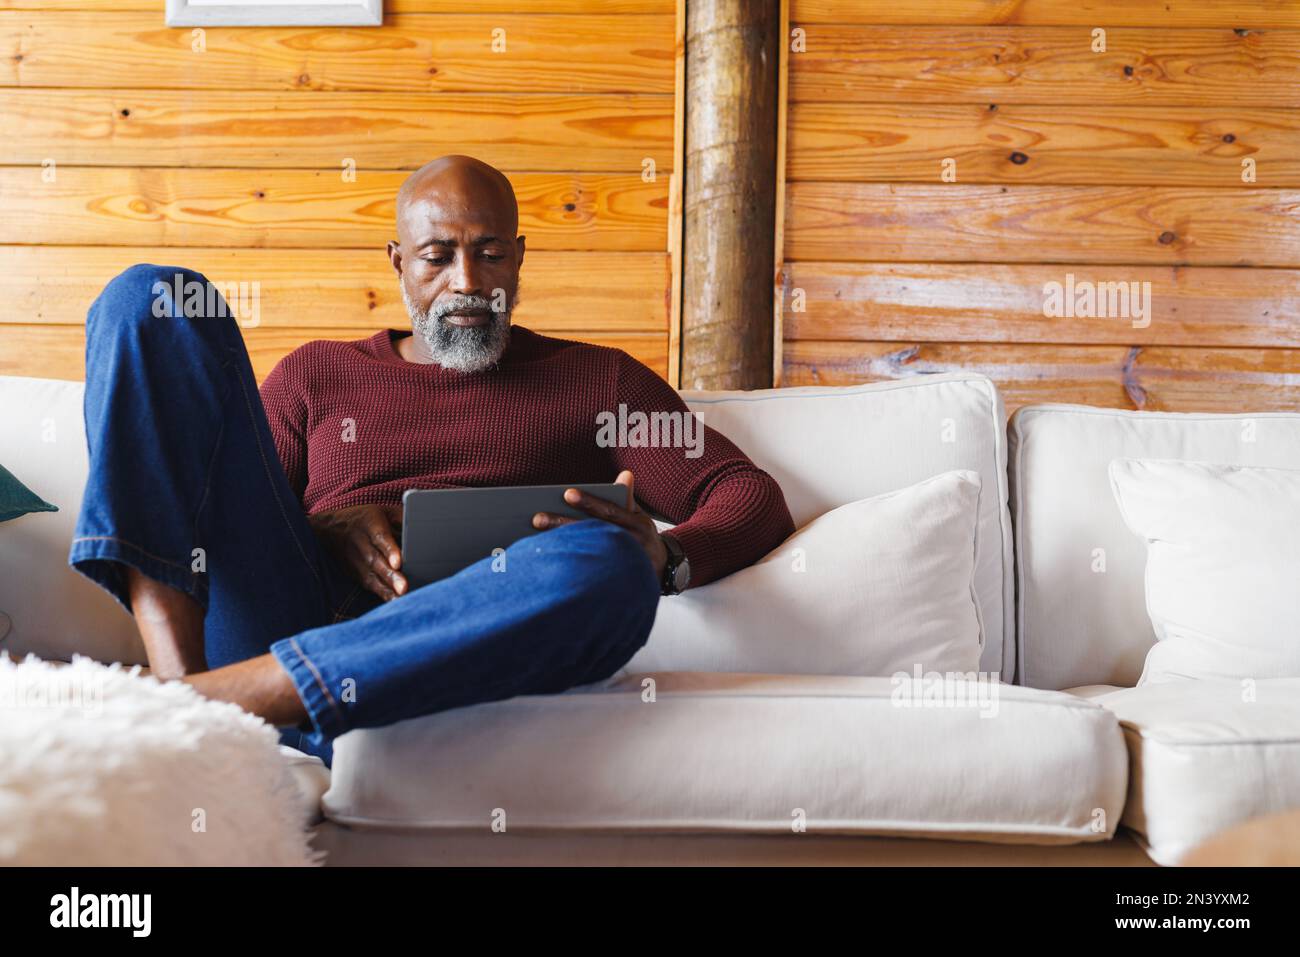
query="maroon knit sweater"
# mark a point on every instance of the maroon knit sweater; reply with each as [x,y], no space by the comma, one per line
[355,423]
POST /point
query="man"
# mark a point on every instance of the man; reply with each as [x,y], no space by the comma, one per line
[256,542]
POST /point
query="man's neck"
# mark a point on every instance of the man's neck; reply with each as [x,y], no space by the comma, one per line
[413,348]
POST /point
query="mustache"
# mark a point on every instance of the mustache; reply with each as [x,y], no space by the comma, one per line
[438,310]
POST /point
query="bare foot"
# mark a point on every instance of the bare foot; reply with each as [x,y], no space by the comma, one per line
[259,685]
[171,624]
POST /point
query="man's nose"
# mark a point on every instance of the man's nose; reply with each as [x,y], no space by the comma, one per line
[465,278]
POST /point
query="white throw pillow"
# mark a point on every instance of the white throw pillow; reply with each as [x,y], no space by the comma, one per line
[1223,566]
[878,586]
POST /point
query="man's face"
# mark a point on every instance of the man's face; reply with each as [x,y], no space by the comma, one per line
[458,262]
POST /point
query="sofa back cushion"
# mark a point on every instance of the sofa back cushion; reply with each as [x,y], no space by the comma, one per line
[51,610]
[826,446]
[831,446]
[1081,615]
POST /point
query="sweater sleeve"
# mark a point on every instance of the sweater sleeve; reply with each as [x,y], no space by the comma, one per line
[729,512]
[286,410]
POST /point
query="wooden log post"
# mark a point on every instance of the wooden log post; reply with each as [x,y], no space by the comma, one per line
[729,193]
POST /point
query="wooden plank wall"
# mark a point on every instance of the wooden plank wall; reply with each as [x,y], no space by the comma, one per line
[124,141]
[1117,166]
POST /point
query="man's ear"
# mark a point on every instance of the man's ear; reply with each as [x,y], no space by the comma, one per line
[395,256]
[519,245]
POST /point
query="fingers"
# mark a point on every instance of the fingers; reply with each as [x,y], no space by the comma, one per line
[364,539]
[631,517]
[544,520]
[374,574]
[599,508]
[382,570]
[379,531]
[374,584]
[625,478]
[374,569]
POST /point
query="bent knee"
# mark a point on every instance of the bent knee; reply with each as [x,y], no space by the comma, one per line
[145,290]
[609,558]
[149,279]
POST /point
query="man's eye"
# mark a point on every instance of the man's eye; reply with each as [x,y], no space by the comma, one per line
[493,257]
[435,260]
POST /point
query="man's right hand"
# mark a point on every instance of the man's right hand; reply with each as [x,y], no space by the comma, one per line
[363,539]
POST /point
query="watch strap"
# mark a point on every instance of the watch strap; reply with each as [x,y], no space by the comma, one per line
[668,584]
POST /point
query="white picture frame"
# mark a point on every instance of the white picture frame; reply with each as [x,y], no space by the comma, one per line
[275,13]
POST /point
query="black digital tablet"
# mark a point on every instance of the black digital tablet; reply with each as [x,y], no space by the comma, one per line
[447,530]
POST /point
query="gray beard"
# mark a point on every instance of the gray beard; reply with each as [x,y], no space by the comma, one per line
[460,348]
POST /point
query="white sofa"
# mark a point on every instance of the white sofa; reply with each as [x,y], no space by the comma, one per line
[1073,751]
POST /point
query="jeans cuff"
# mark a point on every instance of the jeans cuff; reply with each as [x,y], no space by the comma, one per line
[308,743]
[323,710]
[99,558]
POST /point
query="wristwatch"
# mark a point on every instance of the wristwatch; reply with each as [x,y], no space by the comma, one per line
[677,570]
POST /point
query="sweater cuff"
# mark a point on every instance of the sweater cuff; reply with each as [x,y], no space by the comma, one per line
[698,548]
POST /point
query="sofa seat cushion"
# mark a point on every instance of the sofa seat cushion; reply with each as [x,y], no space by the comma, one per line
[697,752]
[1206,755]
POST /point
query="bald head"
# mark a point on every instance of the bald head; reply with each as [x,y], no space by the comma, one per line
[457,186]
[457,257]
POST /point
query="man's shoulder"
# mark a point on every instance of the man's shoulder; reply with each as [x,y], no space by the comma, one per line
[367,347]
[536,346]
[329,353]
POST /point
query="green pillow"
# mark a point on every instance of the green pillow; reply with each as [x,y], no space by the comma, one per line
[17,499]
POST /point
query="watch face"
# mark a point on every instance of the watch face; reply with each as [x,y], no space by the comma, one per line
[682,575]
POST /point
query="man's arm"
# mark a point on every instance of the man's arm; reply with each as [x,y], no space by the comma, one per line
[730,513]
[286,411]
[361,538]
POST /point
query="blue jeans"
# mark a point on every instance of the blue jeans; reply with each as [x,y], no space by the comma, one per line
[185,486]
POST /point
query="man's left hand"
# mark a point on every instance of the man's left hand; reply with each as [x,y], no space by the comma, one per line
[637,522]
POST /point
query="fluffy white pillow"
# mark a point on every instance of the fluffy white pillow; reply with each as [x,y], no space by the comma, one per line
[874,587]
[1223,566]
[102,766]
